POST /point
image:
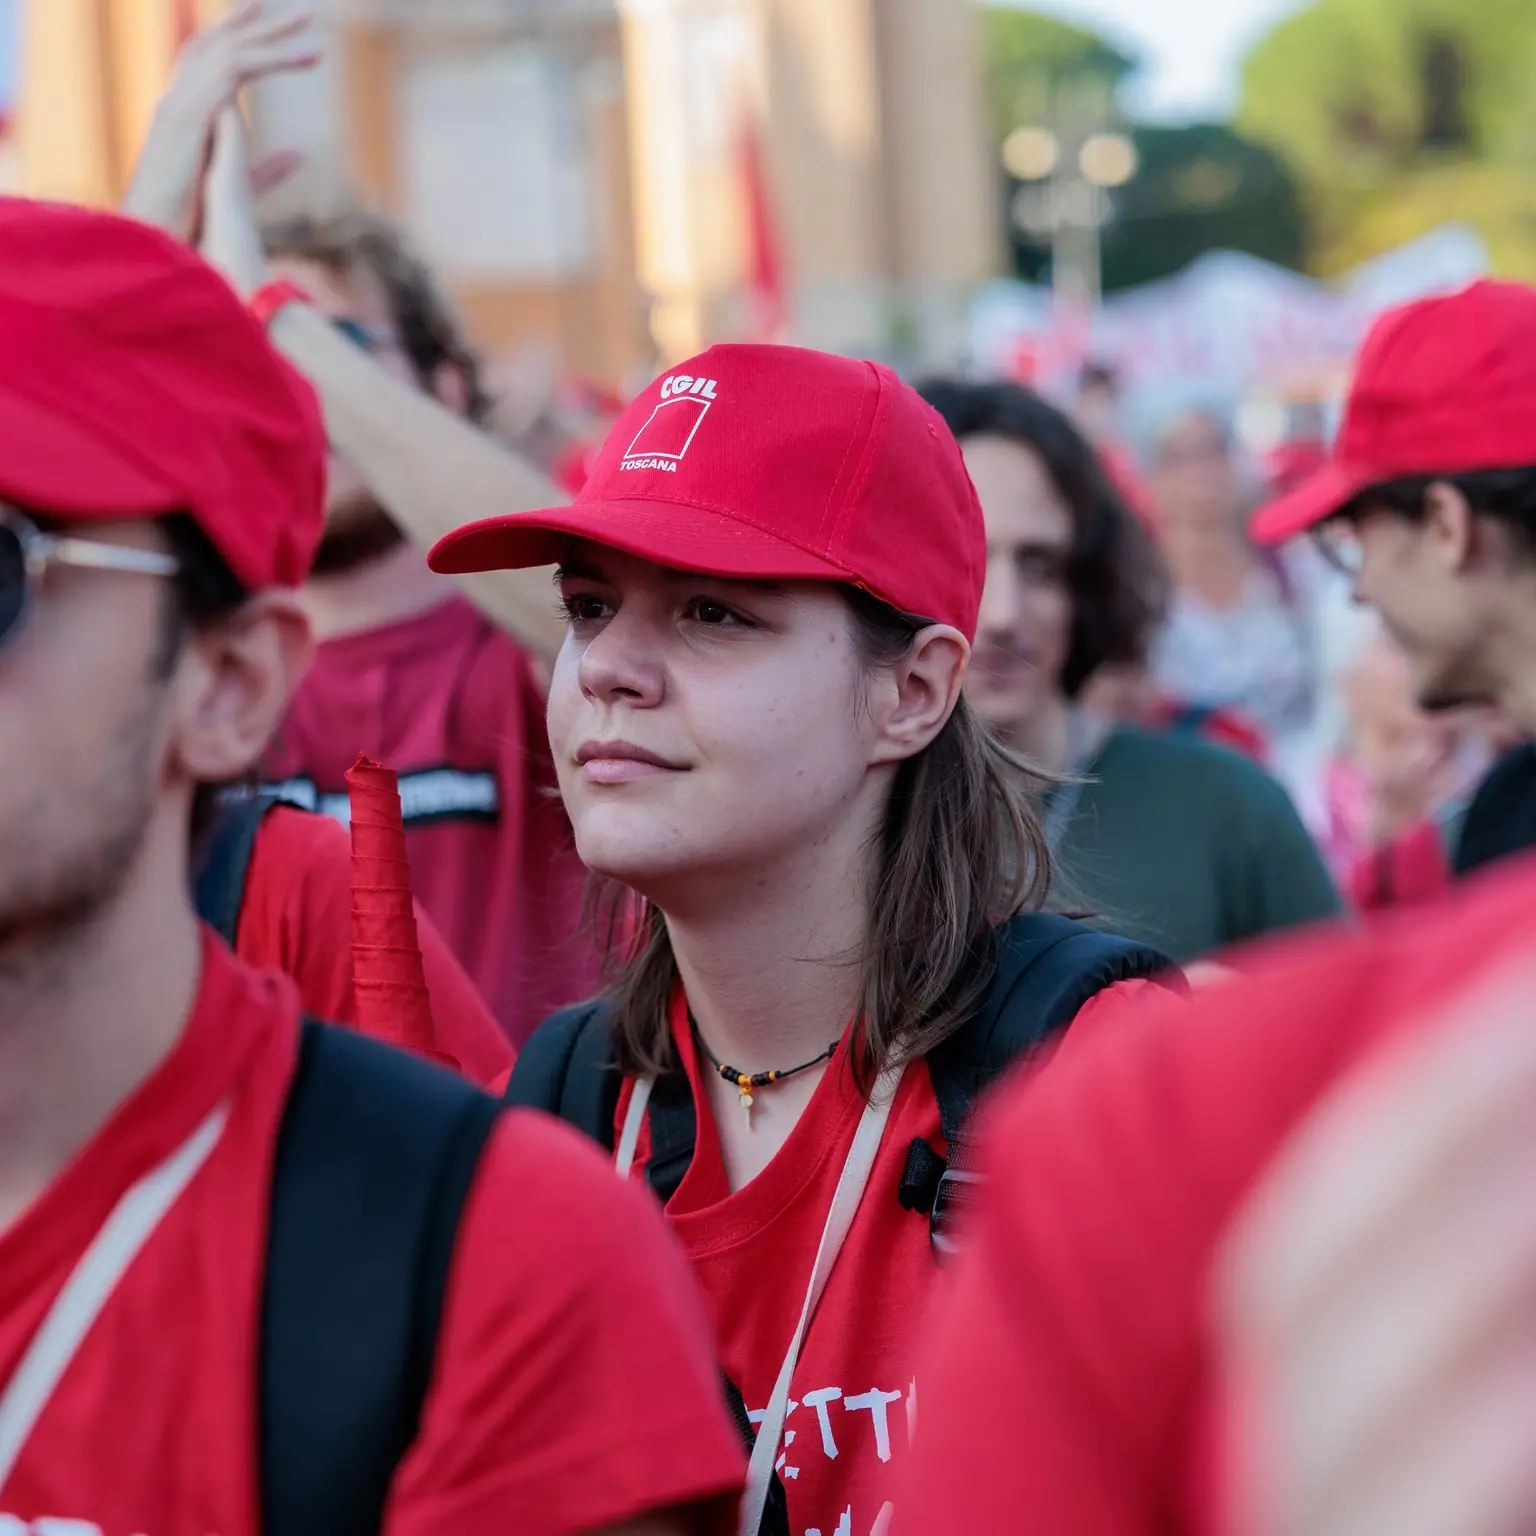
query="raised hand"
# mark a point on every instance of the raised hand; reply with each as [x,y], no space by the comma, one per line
[255,40]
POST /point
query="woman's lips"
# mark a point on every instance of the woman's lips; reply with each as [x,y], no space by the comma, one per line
[620,762]
[621,770]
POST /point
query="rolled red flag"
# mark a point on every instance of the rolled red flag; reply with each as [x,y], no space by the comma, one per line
[393,1003]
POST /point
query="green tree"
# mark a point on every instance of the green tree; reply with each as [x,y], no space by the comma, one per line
[1029,58]
[1199,188]
[1397,115]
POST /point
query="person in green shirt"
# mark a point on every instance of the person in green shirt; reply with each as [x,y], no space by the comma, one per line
[1160,836]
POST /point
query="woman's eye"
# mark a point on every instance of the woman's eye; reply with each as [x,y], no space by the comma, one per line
[583,608]
[707,612]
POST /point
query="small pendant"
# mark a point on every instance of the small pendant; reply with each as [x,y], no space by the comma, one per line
[746,1105]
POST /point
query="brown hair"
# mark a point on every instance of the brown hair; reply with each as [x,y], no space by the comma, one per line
[430,330]
[960,850]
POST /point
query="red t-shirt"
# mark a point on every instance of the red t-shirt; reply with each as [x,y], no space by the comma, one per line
[852,1398]
[1413,868]
[297,918]
[1069,1383]
[452,705]
[574,1385]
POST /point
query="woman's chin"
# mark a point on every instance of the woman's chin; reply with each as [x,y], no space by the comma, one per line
[644,869]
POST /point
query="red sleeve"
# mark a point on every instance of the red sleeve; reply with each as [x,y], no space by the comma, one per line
[576,1387]
[297,919]
[1060,1385]
[1413,868]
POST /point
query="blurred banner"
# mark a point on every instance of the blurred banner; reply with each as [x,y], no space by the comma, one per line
[1225,322]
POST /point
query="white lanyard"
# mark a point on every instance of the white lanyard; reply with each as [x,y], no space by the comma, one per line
[845,1202]
[91,1283]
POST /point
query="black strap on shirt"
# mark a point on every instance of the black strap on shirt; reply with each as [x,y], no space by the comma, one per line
[225,859]
[375,1159]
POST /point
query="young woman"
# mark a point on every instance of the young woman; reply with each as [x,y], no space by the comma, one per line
[772,580]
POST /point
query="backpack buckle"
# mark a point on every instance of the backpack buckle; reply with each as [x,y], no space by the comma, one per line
[958,1189]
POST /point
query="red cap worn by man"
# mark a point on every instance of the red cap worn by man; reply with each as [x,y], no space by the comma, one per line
[180,1162]
[1074,1379]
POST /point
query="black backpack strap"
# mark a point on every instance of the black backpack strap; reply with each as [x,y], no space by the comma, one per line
[775,1521]
[375,1159]
[674,1126]
[219,889]
[1047,967]
[566,1068]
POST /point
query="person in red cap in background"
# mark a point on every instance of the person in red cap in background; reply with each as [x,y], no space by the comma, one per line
[408,671]
[772,578]
[252,1268]
[1080,1326]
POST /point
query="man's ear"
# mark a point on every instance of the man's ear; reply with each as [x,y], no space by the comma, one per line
[233,685]
[921,693]
[1449,525]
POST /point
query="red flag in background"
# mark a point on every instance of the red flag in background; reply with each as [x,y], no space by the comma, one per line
[765,265]
[391,986]
[186,21]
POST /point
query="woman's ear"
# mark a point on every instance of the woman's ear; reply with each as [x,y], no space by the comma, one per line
[233,685]
[926,687]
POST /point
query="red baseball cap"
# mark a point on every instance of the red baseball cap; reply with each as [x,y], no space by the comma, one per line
[133,382]
[1442,386]
[774,463]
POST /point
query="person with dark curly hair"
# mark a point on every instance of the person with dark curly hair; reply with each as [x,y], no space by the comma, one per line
[1161,835]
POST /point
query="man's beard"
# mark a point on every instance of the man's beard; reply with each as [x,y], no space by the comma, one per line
[358,531]
[72,851]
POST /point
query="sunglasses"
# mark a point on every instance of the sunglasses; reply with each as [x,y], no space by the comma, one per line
[26,552]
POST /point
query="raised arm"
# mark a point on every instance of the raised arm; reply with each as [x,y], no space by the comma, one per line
[429,469]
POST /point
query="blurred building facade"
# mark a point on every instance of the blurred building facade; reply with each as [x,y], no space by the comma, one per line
[619,181]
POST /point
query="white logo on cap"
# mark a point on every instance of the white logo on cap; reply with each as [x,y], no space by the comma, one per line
[671,427]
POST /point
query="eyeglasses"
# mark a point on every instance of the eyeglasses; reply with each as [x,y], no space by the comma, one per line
[372,339]
[26,552]
[1338,540]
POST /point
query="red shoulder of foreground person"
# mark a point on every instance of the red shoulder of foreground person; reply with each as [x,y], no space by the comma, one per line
[574,1382]
[297,919]
[1069,1384]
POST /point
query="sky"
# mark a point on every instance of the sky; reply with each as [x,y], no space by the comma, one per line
[10,11]
[1191,49]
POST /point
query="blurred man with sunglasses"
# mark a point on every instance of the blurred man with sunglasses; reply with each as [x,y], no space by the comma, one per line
[446,691]
[175,1144]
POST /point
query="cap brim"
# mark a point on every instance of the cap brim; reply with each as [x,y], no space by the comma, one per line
[675,534]
[1314,501]
[53,463]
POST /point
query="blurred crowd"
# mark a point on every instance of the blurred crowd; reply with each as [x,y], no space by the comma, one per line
[996,889]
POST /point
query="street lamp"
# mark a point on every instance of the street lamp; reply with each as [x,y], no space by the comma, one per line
[1067,178]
